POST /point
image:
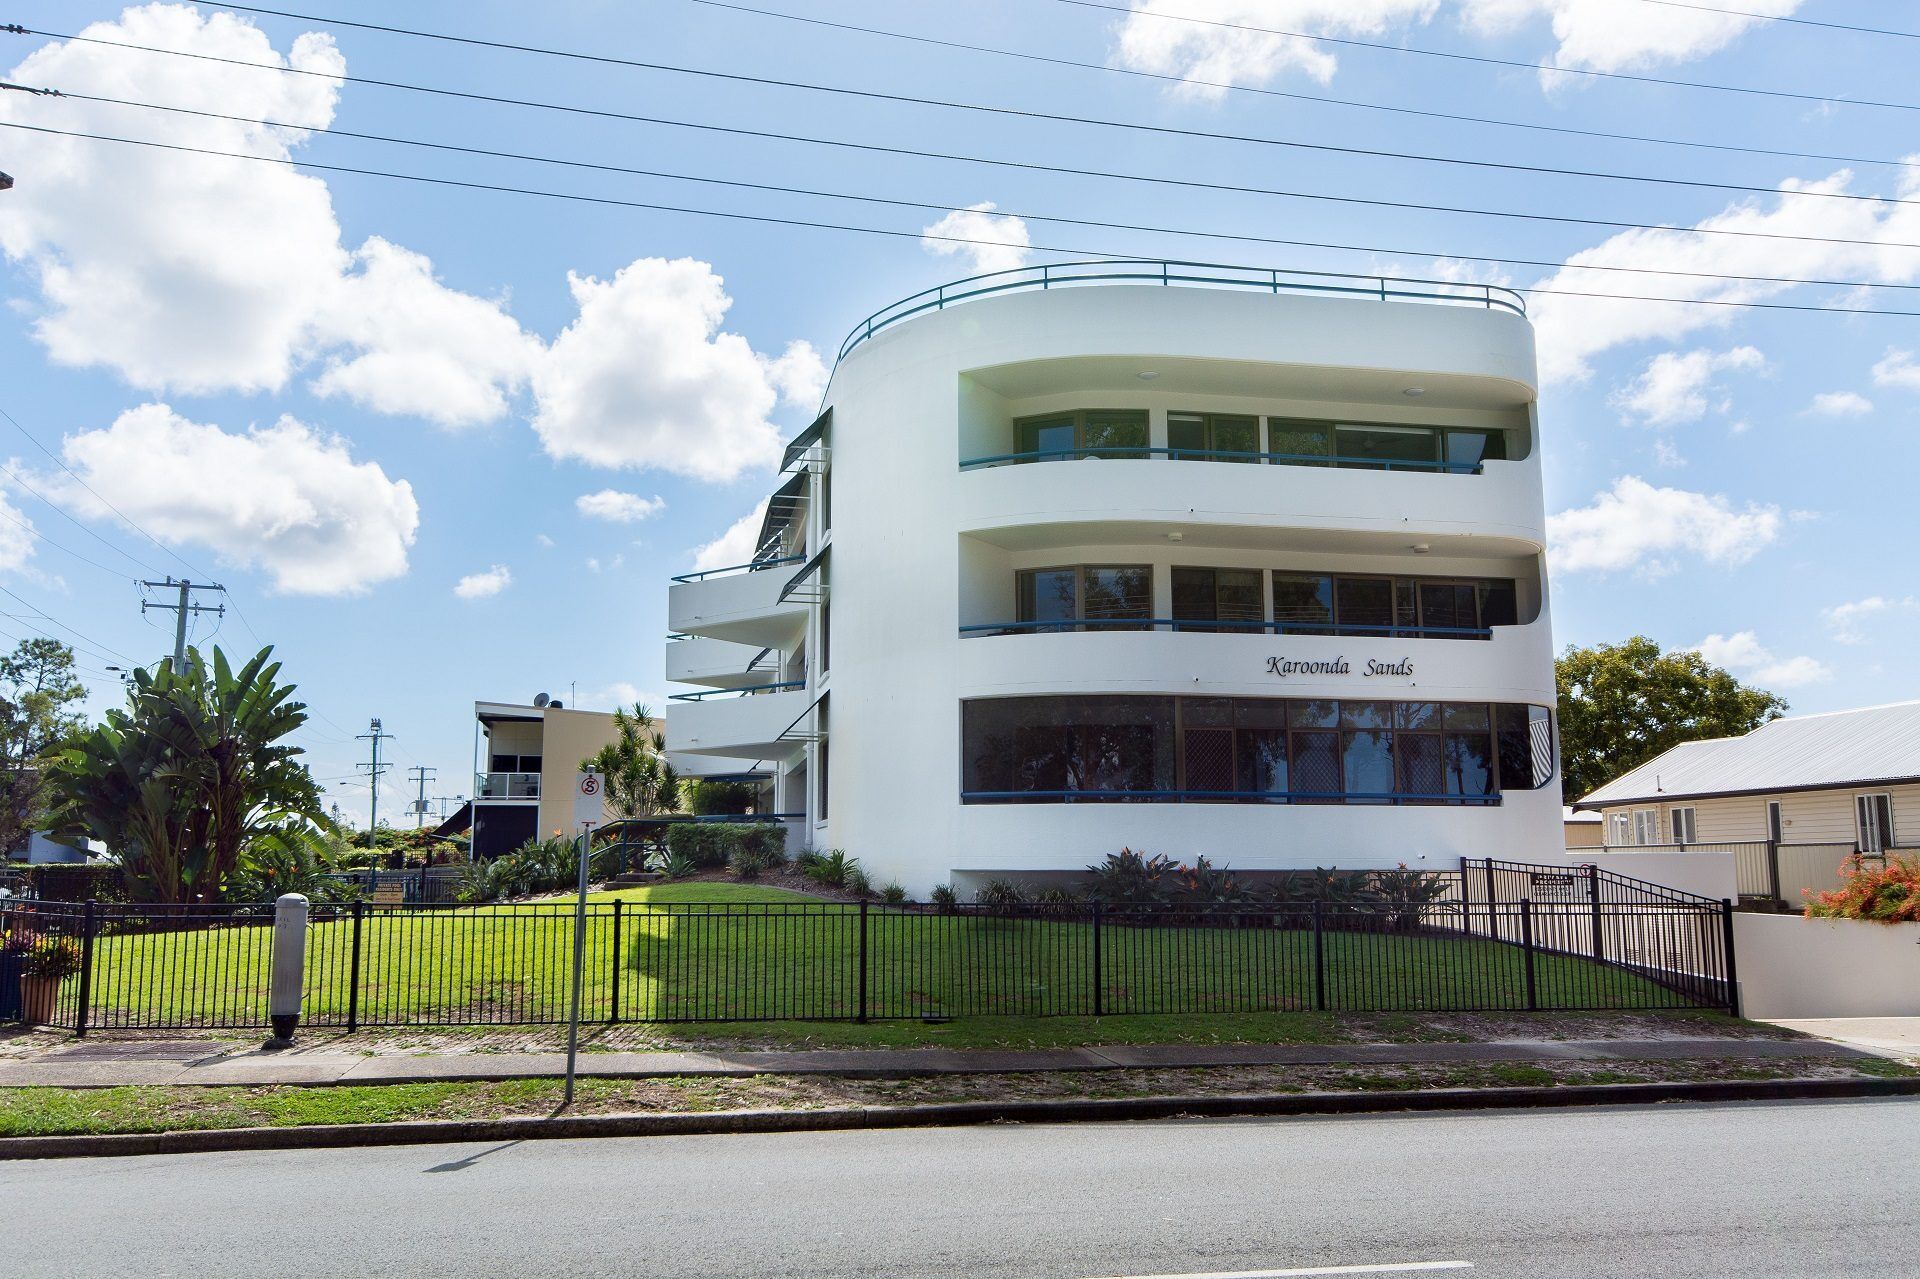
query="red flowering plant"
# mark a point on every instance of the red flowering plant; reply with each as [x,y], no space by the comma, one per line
[1886,891]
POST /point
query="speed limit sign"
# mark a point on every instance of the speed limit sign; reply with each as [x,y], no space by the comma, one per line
[589,800]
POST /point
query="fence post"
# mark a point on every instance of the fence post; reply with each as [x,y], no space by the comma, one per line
[1099,982]
[1319,961]
[1773,873]
[1593,901]
[423,881]
[1733,974]
[353,968]
[87,928]
[1493,916]
[863,961]
[1526,943]
[613,1008]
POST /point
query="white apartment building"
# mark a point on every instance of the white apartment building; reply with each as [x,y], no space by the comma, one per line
[1192,560]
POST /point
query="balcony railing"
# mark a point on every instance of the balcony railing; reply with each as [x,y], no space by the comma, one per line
[1055,275]
[751,690]
[1195,624]
[1227,455]
[1221,797]
[752,566]
[506,786]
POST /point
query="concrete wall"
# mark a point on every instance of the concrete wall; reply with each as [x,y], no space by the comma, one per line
[1702,874]
[1795,967]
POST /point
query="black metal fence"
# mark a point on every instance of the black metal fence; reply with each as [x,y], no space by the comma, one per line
[1492,936]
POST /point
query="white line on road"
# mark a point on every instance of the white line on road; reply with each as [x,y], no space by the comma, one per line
[1397,1268]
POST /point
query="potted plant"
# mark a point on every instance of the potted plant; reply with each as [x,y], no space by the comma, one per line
[13,958]
[47,963]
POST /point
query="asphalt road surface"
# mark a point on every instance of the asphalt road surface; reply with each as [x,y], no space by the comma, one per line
[1798,1189]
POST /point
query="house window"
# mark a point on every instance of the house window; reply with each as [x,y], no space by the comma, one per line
[1091,433]
[1776,826]
[1682,822]
[1875,816]
[1112,597]
[1214,436]
[1646,826]
[1620,826]
[1231,595]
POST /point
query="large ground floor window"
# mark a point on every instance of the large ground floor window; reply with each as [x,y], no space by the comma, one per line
[1250,750]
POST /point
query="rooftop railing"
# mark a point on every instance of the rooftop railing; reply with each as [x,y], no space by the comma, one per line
[1228,455]
[1056,275]
[1196,624]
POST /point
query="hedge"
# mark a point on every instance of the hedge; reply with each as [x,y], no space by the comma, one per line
[709,844]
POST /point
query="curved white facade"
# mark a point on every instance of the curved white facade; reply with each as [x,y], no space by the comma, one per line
[927,510]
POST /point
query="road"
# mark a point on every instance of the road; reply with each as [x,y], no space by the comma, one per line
[1801,1189]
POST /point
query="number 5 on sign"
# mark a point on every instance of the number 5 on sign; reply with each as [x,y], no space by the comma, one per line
[589,801]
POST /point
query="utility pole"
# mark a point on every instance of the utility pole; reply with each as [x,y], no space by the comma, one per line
[376,735]
[421,774]
[183,610]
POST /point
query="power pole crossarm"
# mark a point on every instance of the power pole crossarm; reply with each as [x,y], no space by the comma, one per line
[374,734]
[183,610]
[421,775]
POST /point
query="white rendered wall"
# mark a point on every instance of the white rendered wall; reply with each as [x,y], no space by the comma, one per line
[920,547]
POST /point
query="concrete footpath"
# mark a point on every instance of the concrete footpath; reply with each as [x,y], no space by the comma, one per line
[196,1062]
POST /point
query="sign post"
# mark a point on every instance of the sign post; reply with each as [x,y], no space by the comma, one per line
[588,810]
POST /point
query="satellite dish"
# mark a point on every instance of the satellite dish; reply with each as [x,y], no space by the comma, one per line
[541,699]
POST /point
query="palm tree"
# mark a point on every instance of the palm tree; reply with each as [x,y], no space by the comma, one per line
[639,780]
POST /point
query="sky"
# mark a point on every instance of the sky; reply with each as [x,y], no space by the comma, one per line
[445,442]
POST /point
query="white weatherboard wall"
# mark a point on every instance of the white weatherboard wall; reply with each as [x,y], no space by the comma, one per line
[1795,967]
[921,547]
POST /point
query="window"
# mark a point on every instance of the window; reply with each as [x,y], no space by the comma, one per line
[1620,830]
[1471,448]
[1219,595]
[1063,599]
[1387,445]
[1090,433]
[1383,446]
[820,760]
[1646,826]
[1302,605]
[1776,826]
[1306,605]
[1682,822]
[1245,750]
[1875,816]
[1206,435]
[1299,443]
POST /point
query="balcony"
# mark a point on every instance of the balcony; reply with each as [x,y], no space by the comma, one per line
[751,723]
[741,604]
[714,663]
[506,786]
[1200,626]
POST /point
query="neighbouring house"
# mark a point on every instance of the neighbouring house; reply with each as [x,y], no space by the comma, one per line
[1243,564]
[1583,830]
[1793,799]
[525,760]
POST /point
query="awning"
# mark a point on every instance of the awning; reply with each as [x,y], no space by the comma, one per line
[785,506]
[807,439]
[810,583]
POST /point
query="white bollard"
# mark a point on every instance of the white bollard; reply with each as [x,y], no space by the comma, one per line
[289,967]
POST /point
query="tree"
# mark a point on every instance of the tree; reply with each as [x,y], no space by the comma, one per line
[1623,704]
[639,780]
[182,782]
[37,685]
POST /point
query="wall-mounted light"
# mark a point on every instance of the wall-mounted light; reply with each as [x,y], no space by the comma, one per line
[1147,375]
[1420,548]
[1415,391]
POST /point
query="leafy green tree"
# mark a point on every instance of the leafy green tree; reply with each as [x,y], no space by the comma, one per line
[1622,704]
[704,798]
[37,686]
[183,781]
[639,781]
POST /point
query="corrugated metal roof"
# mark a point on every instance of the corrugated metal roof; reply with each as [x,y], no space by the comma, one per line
[1840,748]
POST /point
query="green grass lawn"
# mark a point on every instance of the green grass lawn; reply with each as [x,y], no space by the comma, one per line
[512,965]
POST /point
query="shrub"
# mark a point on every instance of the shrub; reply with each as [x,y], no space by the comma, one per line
[942,898]
[55,958]
[1000,894]
[705,799]
[749,860]
[765,840]
[1888,893]
[1127,878]
[893,894]
[1408,894]
[831,867]
[855,881]
[674,865]
[704,844]
[1205,884]
[1057,896]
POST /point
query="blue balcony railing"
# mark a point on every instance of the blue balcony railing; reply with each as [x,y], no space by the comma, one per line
[750,567]
[1220,796]
[1195,624]
[1227,455]
[749,691]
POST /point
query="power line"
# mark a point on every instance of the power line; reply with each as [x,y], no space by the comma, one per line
[768,219]
[99,649]
[1323,99]
[599,166]
[31,531]
[1781,17]
[1456,56]
[1016,113]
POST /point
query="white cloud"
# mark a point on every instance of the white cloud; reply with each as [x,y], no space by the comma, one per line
[1667,455]
[1898,369]
[200,274]
[1635,525]
[1848,621]
[596,565]
[989,241]
[645,377]
[1572,330]
[1674,387]
[1605,35]
[16,535]
[543,541]
[1746,656]
[480,586]
[618,507]
[287,498]
[736,545]
[1223,55]
[1840,404]
[622,694]
[798,374]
